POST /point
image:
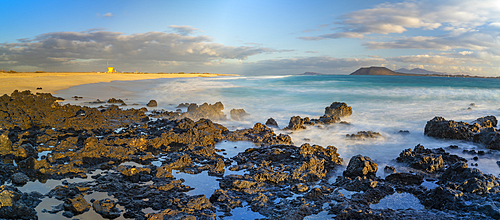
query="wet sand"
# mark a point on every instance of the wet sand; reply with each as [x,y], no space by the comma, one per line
[52,82]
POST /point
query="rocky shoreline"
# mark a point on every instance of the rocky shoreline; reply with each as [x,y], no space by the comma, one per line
[137,153]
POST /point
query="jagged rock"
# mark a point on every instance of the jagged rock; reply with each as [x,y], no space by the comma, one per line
[428,160]
[77,204]
[405,178]
[361,166]
[19,178]
[338,109]
[207,111]
[470,180]
[17,205]
[326,119]
[449,129]
[272,123]
[389,169]
[152,103]
[490,137]
[106,208]
[237,114]
[116,101]
[442,198]
[296,123]
[364,135]
[227,202]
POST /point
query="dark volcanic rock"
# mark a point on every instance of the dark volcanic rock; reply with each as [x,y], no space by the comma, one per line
[17,205]
[237,114]
[490,137]
[272,123]
[428,160]
[363,135]
[469,180]
[405,178]
[338,109]
[77,204]
[296,123]
[19,178]
[361,166]
[207,111]
[152,103]
[116,101]
[441,128]
[106,208]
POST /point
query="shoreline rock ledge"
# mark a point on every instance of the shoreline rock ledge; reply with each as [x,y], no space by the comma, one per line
[332,115]
[482,130]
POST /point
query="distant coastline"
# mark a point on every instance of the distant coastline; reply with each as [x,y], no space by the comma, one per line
[383,71]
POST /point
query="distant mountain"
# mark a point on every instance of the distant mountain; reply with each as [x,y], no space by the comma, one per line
[312,73]
[419,71]
[376,71]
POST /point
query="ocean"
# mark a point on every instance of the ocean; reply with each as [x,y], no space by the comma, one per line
[384,104]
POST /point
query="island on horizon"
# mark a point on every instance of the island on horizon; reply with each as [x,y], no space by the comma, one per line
[384,71]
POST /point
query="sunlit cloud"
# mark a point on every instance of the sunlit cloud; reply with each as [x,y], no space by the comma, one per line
[57,49]
[184,29]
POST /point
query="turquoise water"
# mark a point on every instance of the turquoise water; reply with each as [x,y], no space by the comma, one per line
[384,104]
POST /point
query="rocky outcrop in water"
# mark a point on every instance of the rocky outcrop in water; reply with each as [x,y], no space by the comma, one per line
[482,130]
[332,115]
[272,123]
[362,135]
[428,160]
[152,103]
[338,109]
[237,114]
[207,111]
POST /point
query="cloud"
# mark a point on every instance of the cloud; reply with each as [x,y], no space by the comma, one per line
[108,15]
[310,51]
[448,24]
[469,41]
[184,29]
[62,50]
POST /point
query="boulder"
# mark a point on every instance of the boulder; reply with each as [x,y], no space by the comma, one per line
[297,123]
[237,114]
[428,160]
[207,111]
[272,123]
[77,204]
[116,101]
[448,129]
[490,137]
[361,166]
[19,178]
[152,103]
[338,109]
[106,208]
[363,135]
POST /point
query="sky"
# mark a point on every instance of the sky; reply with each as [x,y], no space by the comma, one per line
[251,37]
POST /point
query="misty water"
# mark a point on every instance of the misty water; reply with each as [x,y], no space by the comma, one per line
[384,104]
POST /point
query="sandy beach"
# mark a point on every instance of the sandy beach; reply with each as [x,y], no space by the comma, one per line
[52,82]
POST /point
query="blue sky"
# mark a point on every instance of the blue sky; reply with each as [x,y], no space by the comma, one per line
[251,37]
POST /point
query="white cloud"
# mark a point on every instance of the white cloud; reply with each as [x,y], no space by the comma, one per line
[184,29]
[60,50]
[449,24]
[108,15]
